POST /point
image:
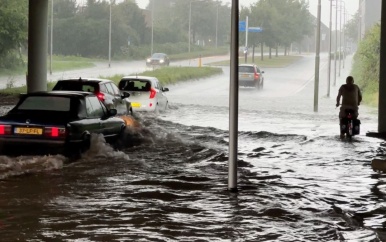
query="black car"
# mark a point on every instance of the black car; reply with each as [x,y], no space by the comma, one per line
[104,89]
[158,59]
[57,122]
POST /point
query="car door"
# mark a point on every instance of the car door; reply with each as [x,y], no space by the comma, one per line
[119,103]
[94,122]
[160,94]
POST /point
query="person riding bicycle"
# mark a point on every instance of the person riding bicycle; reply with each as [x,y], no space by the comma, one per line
[352,98]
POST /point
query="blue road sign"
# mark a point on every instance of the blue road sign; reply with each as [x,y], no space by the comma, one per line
[242,26]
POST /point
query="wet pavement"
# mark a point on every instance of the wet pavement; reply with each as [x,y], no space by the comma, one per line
[298,181]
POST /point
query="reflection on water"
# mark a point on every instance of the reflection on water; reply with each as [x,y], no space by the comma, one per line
[168,182]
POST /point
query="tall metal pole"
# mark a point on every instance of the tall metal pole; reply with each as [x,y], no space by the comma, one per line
[51,35]
[329,53]
[152,26]
[382,75]
[317,59]
[344,36]
[246,40]
[233,99]
[110,37]
[190,19]
[340,36]
[217,25]
[336,40]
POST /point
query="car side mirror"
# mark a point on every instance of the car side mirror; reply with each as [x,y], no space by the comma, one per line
[125,95]
[165,89]
[112,112]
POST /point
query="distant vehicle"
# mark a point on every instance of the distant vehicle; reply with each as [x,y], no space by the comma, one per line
[104,89]
[146,93]
[57,122]
[158,59]
[251,76]
[242,51]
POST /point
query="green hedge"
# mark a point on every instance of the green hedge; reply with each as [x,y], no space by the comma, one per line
[365,69]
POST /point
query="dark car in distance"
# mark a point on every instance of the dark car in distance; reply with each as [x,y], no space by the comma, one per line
[158,59]
[57,122]
[104,89]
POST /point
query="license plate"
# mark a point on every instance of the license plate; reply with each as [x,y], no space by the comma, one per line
[136,105]
[245,75]
[32,131]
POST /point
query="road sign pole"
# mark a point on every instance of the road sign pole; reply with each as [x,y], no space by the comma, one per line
[246,40]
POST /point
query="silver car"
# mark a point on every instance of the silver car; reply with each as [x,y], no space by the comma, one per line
[251,76]
[104,89]
[146,93]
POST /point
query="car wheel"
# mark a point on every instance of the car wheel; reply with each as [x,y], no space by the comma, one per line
[262,85]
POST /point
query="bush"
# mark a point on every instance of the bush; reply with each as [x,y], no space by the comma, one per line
[365,68]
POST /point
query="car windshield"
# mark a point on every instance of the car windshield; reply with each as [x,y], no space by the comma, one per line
[45,103]
[157,55]
[246,69]
[75,86]
[137,85]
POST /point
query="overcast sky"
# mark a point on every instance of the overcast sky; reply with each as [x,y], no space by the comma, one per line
[351,7]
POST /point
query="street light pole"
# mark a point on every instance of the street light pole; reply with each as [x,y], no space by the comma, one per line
[190,19]
[216,24]
[317,60]
[329,53]
[340,34]
[51,35]
[152,26]
[110,37]
[336,39]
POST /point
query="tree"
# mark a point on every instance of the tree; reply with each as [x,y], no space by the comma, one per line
[351,28]
[13,30]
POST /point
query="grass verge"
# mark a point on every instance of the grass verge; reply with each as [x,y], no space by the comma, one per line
[166,75]
[274,62]
[59,63]
[171,75]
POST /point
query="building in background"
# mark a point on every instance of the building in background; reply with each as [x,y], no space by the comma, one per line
[370,14]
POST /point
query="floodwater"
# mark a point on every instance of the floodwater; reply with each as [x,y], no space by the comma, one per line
[297,180]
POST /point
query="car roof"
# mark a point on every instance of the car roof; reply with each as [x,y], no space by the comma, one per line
[247,65]
[139,77]
[60,94]
[80,79]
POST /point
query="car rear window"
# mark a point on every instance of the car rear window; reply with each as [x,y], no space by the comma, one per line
[135,85]
[46,103]
[76,86]
[246,69]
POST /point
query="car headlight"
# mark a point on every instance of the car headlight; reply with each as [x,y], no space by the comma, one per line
[161,61]
[148,60]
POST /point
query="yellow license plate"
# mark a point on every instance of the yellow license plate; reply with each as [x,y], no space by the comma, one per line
[244,75]
[32,131]
[135,105]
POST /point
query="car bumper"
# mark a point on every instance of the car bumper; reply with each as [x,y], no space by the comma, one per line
[23,146]
[248,83]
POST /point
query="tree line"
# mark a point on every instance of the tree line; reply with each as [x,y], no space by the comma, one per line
[82,28]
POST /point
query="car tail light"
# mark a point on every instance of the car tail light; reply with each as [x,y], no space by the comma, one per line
[256,75]
[349,115]
[152,93]
[55,132]
[5,129]
[101,96]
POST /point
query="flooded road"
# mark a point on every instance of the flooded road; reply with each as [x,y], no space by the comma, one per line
[298,181]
